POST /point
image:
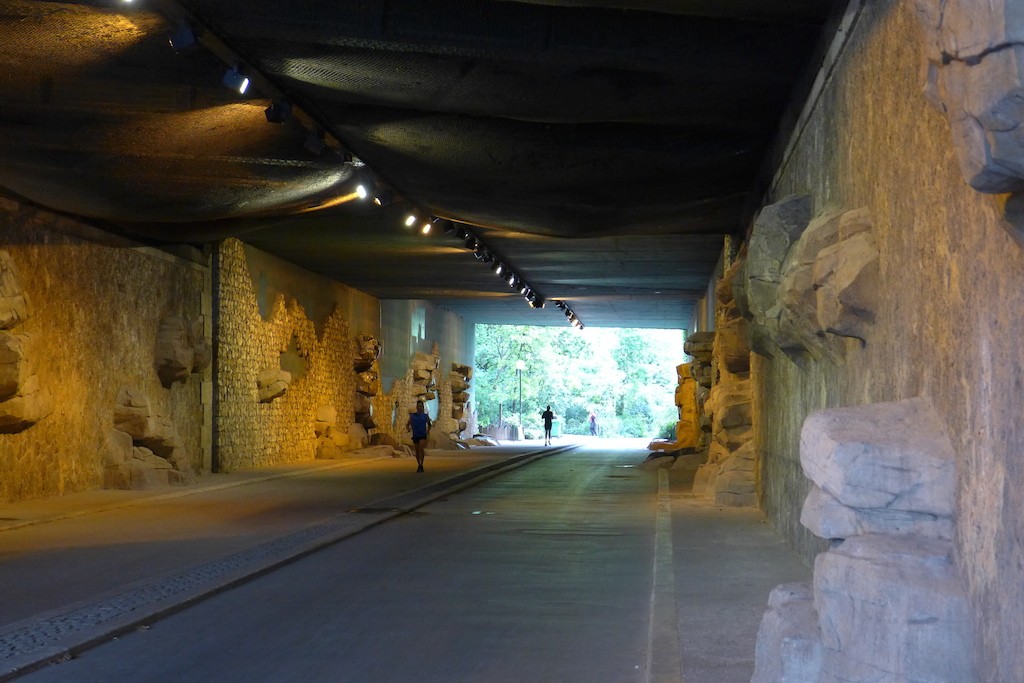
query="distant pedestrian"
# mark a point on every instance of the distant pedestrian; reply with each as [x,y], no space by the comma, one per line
[419,423]
[593,423]
[548,418]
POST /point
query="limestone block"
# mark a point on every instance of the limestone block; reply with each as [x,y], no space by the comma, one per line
[29,406]
[683,371]
[704,374]
[367,351]
[368,383]
[776,229]
[333,444]
[704,479]
[827,518]
[747,466]
[731,410]
[798,328]
[975,75]
[892,609]
[421,376]
[15,305]
[117,449]
[118,476]
[424,361]
[733,438]
[846,281]
[272,383]
[732,348]
[328,414]
[735,488]
[180,478]
[457,382]
[440,440]
[462,426]
[357,436]
[789,647]
[429,396]
[700,345]
[366,419]
[458,411]
[464,370]
[148,471]
[181,349]
[883,455]
[179,460]
[15,368]
[361,403]
[381,439]
[460,397]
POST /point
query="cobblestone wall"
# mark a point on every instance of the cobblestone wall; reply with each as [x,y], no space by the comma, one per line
[250,433]
[98,304]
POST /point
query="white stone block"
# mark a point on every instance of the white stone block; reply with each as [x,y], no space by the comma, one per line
[883,455]
[789,648]
[892,610]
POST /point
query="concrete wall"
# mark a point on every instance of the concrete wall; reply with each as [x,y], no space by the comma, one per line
[270,311]
[98,305]
[949,326]
[408,327]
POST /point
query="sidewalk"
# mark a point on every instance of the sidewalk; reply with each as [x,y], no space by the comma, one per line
[80,569]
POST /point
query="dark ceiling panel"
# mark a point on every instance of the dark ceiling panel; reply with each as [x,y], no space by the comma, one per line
[602,148]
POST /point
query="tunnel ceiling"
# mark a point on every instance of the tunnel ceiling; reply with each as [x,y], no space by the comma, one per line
[601,148]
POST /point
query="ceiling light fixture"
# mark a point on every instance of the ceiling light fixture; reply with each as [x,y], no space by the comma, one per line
[235,80]
[410,220]
[383,197]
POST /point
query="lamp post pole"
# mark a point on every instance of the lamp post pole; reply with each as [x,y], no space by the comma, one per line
[520,366]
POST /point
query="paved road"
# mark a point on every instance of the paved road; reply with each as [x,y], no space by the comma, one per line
[551,572]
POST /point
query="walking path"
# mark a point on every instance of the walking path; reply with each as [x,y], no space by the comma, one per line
[82,569]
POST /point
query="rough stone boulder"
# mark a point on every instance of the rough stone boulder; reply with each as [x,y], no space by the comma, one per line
[15,368]
[272,383]
[881,456]
[357,436]
[367,351]
[424,361]
[181,349]
[326,417]
[368,383]
[789,647]
[975,75]
[732,348]
[15,306]
[892,609]
[827,518]
[134,415]
[846,279]
[700,345]
[333,443]
[465,371]
[776,229]
[361,403]
[457,382]
[798,328]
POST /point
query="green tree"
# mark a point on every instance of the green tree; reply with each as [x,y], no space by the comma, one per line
[626,376]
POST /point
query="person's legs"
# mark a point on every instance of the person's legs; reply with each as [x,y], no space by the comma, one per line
[420,454]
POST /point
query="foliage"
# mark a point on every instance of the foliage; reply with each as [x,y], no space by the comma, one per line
[626,376]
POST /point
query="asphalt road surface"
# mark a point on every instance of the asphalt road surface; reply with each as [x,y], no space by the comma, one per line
[556,571]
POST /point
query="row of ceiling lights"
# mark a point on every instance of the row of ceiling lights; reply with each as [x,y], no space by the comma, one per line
[280,111]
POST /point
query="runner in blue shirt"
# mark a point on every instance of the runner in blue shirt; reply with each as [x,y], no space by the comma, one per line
[419,423]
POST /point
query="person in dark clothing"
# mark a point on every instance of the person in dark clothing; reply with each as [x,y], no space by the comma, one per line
[419,423]
[593,423]
[548,418]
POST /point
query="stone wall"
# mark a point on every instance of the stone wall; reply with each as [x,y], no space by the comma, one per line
[948,323]
[98,303]
[264,328]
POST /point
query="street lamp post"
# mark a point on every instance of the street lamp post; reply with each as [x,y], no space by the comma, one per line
[520,366]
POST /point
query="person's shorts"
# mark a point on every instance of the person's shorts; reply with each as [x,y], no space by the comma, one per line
[417,439]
